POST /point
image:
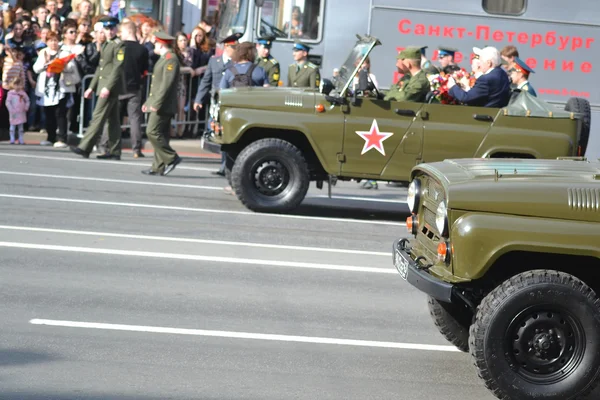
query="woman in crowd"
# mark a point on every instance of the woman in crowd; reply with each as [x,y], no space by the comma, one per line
[54,23]
[202,43]
[87,62]
[190,67]
[54,89]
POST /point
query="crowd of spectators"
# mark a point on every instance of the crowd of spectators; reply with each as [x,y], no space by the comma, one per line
[38,35]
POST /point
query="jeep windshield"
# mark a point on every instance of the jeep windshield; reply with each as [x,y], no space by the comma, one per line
[354,62]
[234,14]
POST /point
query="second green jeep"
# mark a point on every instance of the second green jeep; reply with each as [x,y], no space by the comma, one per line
[509,253]
[278,140]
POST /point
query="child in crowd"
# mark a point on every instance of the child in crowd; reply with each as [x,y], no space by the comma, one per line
[17,103]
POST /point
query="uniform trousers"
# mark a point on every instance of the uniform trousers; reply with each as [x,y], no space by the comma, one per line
[106,111]
[157,132]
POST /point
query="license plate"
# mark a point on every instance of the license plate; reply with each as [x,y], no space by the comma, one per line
[401,264]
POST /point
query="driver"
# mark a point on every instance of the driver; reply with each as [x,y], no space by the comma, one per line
[417,87]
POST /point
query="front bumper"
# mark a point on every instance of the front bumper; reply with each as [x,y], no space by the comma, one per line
[209,145]
[418,277]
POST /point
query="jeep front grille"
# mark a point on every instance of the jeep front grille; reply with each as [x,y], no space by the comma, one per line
[584,199]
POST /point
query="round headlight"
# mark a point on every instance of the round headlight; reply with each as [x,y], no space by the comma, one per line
[414,195]
[441,218]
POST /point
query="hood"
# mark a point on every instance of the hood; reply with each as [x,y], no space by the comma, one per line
[562,189]
[271,98]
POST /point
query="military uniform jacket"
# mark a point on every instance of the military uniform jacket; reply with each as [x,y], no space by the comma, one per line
[110,73]
[415,89]
[305,76]
[526,87]
[212,78]
[271,67]
[163,91]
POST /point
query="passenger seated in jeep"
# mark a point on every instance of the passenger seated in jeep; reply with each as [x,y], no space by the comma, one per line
[417,87]
[492,89]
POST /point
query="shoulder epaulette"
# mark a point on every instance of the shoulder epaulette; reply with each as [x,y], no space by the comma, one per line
[274,61]
[311,65]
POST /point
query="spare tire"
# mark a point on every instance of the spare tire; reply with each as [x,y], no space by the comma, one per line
[581,106]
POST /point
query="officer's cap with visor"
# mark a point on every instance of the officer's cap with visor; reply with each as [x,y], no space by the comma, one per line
[109,22]
[446,51]
[299,46]
[232,39]
[520,66]
[164,38]
[266,41]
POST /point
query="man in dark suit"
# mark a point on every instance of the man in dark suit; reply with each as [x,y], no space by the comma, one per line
[492,89]
[217,65]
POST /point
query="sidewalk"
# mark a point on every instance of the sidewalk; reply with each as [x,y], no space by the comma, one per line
[183,147]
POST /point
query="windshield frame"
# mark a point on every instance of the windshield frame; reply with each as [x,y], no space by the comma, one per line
[371,42]
[226,18]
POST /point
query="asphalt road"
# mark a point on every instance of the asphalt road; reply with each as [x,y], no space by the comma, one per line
[116,285]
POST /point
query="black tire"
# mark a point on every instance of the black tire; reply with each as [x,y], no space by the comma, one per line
[582,106]
[567,313]
[273,159]
[452,321]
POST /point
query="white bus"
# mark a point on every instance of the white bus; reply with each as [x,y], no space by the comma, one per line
[559,40]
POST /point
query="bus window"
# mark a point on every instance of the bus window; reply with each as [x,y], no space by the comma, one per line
[505,7]
[292,19]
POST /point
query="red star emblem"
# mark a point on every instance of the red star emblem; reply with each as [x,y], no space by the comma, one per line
[374,138]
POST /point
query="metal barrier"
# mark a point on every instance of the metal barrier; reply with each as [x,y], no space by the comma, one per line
[175,122]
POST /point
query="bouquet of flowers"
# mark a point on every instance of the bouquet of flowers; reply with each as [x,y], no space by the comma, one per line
[439,84]
[58,65]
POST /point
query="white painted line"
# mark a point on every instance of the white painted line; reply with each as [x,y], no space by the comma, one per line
[202,210]
[85,178]
[187,240]
[400,200]
[176,256]
[137,164]
[244,335]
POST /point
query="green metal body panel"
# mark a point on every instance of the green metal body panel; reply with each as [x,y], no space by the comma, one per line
[435,133]
[501,206]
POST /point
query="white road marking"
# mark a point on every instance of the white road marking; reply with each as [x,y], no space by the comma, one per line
[85,178]
[176,256]
[202,210]
[187,240]
[244,335]
[138,164]
[401,200]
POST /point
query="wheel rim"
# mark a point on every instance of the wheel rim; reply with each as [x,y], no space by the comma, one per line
[545,345]
[271,177]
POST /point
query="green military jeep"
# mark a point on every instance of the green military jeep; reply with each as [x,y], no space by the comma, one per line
[509,253]
[277,140]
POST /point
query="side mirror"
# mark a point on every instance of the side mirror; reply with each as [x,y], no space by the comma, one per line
[259,3]
[326,86]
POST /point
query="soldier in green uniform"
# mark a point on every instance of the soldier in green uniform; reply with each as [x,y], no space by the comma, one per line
[162,105]
[417,87]
[266,61]
[108,83]
[303,73]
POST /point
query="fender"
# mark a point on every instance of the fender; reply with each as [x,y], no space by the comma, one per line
[480,239]
[329,126]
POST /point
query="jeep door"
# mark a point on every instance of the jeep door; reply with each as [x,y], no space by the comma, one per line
[373,131]
[454,131]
